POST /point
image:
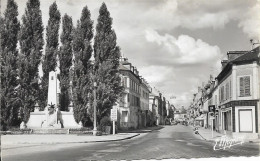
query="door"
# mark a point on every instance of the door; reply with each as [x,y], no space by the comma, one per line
[245,120]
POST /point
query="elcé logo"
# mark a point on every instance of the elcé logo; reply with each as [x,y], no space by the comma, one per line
[227,142]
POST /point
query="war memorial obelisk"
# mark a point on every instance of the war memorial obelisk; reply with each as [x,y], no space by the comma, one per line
[52,117]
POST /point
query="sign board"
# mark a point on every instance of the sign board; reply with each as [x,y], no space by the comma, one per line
[212,108]
[113,114]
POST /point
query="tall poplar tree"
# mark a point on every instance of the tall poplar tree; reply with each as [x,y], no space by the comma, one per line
[65,57]
[31,45]
[107,54]
[82,48]
[8,42]
[52,42]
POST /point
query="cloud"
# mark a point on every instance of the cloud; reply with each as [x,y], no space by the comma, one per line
[180,64]
[185,49]
[250,22]
[148,34]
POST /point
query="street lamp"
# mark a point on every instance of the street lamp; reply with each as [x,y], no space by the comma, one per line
[95,109]
[95,99]
[95,96]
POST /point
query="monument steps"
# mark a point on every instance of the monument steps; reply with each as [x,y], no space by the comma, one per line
[50,131]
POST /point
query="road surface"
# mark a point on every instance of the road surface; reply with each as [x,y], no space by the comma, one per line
[170,142]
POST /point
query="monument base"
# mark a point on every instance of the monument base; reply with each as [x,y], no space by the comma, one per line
[38,120]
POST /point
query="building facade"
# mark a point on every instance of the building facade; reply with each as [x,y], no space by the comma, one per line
[155,105]
[144,102]
[129,109]
[234,94]
[239,95]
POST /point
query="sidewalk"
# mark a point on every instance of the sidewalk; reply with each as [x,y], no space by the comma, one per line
[206,134]
[35,139]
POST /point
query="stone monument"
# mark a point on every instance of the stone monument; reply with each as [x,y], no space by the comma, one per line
[52,117]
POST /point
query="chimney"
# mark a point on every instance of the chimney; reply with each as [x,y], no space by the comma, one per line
[224,63]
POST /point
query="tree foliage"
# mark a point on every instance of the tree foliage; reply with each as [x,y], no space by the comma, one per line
[82,48]
[52,42]
[65,57]
[31,45]
[9,29]
[107,54]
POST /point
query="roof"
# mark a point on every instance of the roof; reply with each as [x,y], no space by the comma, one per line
[248,57]
[121,67]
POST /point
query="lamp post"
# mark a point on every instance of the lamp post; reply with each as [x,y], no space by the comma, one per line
[95,99]
[95,110]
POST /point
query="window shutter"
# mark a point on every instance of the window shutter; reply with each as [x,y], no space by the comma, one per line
[222,93]
[230,89]
[227,90]
[125,81]
[247,85]
[241,85]
[219,95]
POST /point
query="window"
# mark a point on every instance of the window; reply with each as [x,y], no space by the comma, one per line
[222,94]
[227,91]
[230,89]
[124,116]
[216,100]
[125,81]
[244,86]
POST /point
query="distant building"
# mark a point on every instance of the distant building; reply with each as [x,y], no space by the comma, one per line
[155,105]
[129,105]
[144,102]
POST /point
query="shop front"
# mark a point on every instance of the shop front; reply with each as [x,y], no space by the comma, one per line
[239,119]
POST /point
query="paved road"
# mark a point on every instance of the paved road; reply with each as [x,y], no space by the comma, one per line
[170,142]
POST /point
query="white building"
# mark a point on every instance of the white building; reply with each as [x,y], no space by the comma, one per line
[239,94]
[144,102]
[129,106]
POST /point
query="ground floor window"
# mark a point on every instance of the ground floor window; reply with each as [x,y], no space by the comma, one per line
[124,116]
[245,117]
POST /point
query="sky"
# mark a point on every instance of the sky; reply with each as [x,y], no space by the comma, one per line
[175,44]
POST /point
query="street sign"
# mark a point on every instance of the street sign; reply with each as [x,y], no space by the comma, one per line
[113,114]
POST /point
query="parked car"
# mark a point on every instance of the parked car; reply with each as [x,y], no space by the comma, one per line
[175,122]
[167,122]
[185,123]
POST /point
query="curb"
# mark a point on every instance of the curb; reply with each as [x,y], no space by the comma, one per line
[127,138]
[49,143]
